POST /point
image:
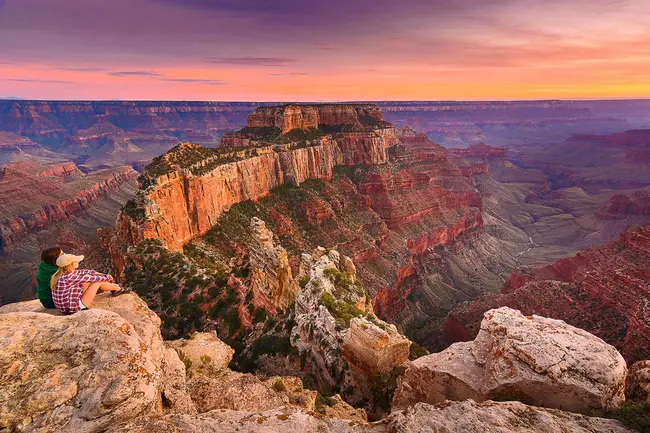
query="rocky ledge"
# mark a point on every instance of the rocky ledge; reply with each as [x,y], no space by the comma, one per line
[108,369]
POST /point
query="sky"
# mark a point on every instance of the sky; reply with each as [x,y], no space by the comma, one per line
[324,50]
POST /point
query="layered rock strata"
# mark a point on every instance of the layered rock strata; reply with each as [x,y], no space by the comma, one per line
[207,183]
[535,360]
[56,193]
[603,290]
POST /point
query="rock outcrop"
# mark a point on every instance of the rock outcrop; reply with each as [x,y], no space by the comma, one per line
[56,193]
[272,282]
[620,206]
[83,372]
[637,384]
[539,361]
[450,417]
[344,345]
[205,349]
[108,370]
[305,117]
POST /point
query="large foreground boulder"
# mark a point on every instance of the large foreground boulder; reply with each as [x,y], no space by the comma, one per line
[535,360]
[80,373]
[449,417]
[86,371]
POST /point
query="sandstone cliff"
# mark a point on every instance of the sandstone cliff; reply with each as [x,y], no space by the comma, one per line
[56,193]
[207,181]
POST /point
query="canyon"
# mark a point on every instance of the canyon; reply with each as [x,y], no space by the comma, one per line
[320,244]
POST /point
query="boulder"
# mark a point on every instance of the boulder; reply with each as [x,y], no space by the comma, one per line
[203,350]
[637,383]
[495,417]
[538,361]
[81,373]
[112,355]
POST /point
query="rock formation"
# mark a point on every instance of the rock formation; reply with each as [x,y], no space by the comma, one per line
[210,181]
[305,117]
[107,369]
[637,383]
[621,206]
[56,193]
[334,317]
[272,282]
[535,360]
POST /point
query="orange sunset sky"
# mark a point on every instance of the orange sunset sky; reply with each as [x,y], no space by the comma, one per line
[302,50]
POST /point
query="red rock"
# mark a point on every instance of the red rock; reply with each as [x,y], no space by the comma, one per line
[56,191]
[603,290]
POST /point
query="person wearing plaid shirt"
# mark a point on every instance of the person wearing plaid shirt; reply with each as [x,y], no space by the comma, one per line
[75,289]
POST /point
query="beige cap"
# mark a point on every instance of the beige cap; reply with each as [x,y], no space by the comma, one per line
[68,259]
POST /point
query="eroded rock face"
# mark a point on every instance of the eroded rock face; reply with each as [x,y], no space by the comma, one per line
[583,290]
[539,361]
[495,417]
[272,282]
[637,383]
[238,391]
[345,346]
[57,192]
[290,117]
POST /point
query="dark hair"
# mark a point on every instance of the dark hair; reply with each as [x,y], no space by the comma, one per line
[50,255]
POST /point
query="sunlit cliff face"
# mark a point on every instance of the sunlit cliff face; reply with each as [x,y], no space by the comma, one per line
[324,49]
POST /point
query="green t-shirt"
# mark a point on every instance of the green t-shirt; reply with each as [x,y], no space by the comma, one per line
[43,277]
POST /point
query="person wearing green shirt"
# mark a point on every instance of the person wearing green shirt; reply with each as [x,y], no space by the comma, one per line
[46,269]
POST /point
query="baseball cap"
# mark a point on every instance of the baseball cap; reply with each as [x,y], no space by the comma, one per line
[67,259]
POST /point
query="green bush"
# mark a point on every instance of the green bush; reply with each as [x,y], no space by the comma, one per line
[342,311]
[633,415]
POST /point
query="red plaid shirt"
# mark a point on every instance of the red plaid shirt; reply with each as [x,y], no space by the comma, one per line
[69,289]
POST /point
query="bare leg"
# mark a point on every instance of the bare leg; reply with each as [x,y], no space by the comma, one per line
[90,291]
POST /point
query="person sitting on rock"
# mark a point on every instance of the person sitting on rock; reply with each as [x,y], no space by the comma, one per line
[46,269]
[75,289]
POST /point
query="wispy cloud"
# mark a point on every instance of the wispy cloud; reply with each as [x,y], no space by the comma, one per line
[135,74]
[28,80]
[251,61]
[290,74]
[80,69]
[207,82]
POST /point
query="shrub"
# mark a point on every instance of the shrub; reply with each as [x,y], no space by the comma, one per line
[259,315]
[633,415]
[342,311]
[278,385]
[416,351]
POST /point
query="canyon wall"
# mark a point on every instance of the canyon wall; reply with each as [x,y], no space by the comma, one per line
[289,117]
[56,192]
[195,186]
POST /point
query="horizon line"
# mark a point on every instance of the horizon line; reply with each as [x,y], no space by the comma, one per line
[326,101]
